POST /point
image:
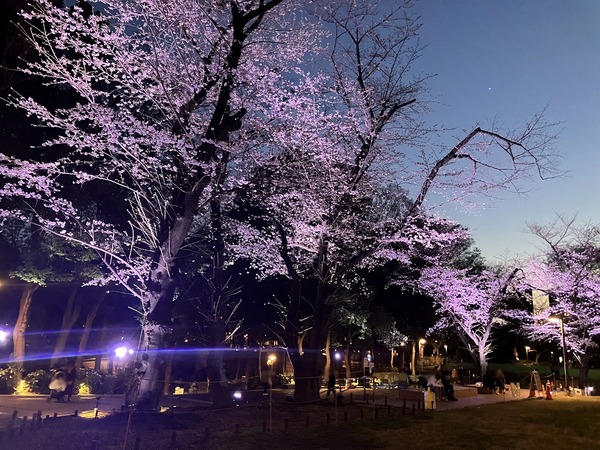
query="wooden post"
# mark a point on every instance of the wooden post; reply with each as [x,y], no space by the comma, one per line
[22,429]
[76,413]
[55,415]
[404,408]
[13,419]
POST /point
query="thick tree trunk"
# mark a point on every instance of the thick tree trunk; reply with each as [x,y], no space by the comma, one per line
[327,368]
[392,359]
[168,367]
[20,329]
[584,369]
[155,337]
[482,362]
[104,335]
[70,316]
[215,370]
[307,368]
[87,329]
[347,361]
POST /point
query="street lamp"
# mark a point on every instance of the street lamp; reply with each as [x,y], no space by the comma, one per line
[560,320]
[121,352]
[527,348]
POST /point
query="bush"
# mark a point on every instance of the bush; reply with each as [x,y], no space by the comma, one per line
[101,383]
[90,378]
[38,381]
[6,380]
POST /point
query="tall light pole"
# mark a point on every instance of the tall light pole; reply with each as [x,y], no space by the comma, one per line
[422,343]
[560,320]
[527,348]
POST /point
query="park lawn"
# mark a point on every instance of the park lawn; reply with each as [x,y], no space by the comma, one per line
[522,370]
[562,423]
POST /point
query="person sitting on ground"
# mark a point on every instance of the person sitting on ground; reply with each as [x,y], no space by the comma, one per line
[435,384]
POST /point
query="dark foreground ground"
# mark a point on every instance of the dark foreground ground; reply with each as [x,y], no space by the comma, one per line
[528,424]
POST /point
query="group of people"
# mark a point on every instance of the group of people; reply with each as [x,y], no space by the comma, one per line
[62,383]
[439,383]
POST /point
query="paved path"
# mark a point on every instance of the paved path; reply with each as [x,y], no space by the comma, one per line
[29,405]
[394,400]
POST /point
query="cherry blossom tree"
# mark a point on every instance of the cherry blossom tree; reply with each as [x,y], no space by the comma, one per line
[470,305]
[348,191]
[178,103]
[166,94]
[569,274]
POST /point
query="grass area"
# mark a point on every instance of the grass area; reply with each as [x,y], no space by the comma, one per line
[562,423]
[522,370]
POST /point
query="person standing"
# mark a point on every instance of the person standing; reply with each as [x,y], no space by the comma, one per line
[70,377]
[331,384]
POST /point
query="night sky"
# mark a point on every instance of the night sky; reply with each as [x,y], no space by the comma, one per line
[505,61]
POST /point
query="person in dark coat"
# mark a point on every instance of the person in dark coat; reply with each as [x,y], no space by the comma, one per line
[331,384]
[70,377]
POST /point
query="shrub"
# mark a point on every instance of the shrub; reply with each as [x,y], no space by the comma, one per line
[91,379]
[6,380]
[38,381]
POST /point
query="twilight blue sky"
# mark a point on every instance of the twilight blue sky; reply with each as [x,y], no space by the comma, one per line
[506,60]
